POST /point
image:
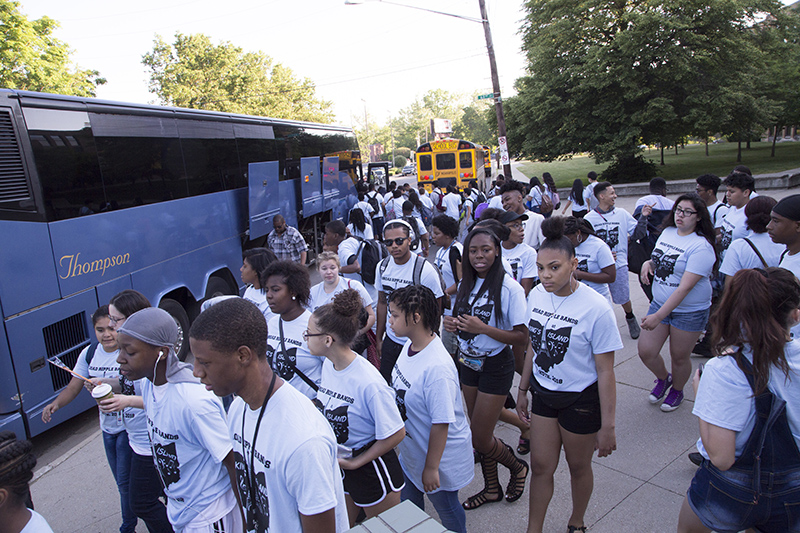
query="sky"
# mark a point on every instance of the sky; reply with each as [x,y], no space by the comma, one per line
[374,57]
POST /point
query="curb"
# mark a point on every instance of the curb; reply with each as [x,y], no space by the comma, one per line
[53,464]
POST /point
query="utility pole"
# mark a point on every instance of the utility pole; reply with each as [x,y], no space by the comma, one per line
[498,100]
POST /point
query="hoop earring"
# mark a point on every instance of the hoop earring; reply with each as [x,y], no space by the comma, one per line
[580,238]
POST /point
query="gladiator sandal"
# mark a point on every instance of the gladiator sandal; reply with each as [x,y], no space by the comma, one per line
[503,454]
[492,491]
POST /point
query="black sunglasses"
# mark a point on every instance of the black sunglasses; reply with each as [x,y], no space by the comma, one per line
[398,241]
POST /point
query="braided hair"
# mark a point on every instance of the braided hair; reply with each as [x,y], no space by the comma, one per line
[418,299]
[16,464]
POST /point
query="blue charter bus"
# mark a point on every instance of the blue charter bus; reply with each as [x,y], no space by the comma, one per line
[97,197]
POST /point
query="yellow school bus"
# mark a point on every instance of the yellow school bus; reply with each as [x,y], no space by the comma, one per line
[487,161]
[452,162]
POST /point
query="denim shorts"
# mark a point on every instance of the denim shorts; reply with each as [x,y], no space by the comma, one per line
[724,501]
[620,287]
[692,321]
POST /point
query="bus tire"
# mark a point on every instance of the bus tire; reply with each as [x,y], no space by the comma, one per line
[178,313]
[217,287]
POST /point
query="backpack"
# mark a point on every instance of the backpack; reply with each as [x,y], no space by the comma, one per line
[427,215]
[416,277]
[481,198]
[546,206]
[439,205]
[373,202]
[390,212]
[90,352]
[454,256]
[416,233]
[373,253]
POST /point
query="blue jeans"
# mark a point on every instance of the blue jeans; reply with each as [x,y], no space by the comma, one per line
[145,490]
[445,502]
[118,453]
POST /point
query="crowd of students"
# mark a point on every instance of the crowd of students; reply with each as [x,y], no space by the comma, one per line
[309,408]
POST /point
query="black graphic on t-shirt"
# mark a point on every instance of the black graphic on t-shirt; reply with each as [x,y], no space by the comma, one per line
[400,400]
[484,313]
[609,235]
[514,269]
[583,265]
[284,363]
[256,507]
[665,265]
[552,351]
[127,386]
[318,405]
[167,461]
[338,421]
[726,237]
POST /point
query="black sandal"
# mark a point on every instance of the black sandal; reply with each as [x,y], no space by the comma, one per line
[524,446]
[576,529]
[473,502]
[516,484]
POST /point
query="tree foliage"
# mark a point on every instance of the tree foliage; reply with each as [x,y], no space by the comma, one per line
[606,76]
[195,73]
[32,59]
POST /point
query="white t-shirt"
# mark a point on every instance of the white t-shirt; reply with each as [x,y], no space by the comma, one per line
[533,230]
[725,399]
[674,255]
[394,205]
[377,196]
[399,276]
[367,234]
[577,327]
[662,203]
[732,226]
[427,392]
[593,256]
[426,202]
[522,259]
[138,438]
[512,300]
[347,249]
[792,264]
[588,196]
[296,351]
[357,403]
[495,202]
[36,524]
[717,210]
[294,464]
[614,228]
[740,255]
[188,432]
[366,209]
[452,204]
[319,297]
[259,297]
[442,262]
[104,365]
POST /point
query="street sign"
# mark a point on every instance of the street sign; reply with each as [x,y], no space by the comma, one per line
[503,146]
[485,96]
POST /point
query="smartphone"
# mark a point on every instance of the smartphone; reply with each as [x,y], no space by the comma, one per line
[700,369]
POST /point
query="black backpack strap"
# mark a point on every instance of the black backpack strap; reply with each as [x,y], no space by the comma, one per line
[90,353]
[753,246]
[452,257]
[783,254]
[297,371]
[418,266]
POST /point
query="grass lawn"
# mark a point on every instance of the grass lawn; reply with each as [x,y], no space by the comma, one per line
[688,164]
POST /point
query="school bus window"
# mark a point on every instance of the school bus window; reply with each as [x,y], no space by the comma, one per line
[465,160]
[425,163]
[445,161]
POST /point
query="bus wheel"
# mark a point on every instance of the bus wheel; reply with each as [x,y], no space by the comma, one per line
[217,287]
[182,320]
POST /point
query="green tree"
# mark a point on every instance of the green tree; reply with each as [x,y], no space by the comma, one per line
[193,72]
[609,75]
[412,126]
[32,59]
[473,124]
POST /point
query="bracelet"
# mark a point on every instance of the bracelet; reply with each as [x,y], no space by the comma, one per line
[522,390]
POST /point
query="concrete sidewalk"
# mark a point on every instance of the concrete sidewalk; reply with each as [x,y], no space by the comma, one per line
[639,488]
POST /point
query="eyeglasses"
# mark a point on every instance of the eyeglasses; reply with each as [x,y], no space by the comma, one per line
[115,320]
[684,212]
[515,225]
[306,335]
[398,241]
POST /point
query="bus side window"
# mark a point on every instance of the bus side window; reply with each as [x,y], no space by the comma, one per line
[140,159]
[425,163]
[212,162]
[465,160]
[66,162]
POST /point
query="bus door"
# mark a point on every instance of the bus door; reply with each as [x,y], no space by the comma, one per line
[330,184]
[263,197]
[311,186]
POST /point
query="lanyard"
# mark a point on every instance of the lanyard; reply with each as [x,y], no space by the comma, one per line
[250,469]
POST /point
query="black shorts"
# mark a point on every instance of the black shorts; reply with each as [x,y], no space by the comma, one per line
[497,376]
[581,417]
[371,483]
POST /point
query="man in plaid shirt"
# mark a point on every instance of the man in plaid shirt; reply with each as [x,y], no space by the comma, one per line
[286,241]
